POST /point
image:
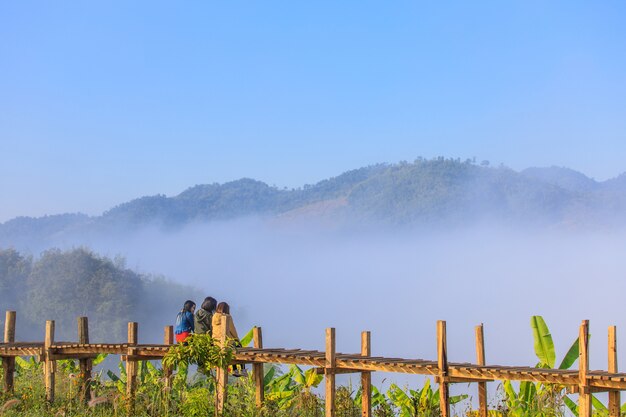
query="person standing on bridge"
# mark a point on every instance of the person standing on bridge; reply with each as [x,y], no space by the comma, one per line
[204,317]
[185,322]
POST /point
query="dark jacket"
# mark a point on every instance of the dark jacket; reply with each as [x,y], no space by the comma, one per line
[202,320]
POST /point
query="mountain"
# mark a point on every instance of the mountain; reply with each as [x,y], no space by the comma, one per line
[426,193]
[565,178]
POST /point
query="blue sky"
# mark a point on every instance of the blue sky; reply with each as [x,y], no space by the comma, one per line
[101,102]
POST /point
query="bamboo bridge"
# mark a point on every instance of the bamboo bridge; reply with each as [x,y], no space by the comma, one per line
[328,362]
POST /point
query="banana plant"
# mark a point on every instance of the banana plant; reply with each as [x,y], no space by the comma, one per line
[30,365]
[118,381]
[378,398]
[532,398]
[284,388]
[70,366]
[148,375]
[422,402]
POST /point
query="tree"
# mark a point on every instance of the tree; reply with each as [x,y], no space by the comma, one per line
[65,285]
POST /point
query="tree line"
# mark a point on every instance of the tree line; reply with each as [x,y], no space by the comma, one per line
[63,285]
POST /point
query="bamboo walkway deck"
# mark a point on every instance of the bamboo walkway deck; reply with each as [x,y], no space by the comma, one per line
[345,363]
[329,363]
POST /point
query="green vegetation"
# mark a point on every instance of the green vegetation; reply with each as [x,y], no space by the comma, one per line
[289,393]
[436,193]
[63,285]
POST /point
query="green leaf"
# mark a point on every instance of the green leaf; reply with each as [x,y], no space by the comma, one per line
[571,356]
[527,392]
[509,391]
[544,346]
[458,398]
[597,404]
[112,376]
[269,375]
[425,393]
[312,378]
[245,341]
[573,407]
[297,374]
[98,359]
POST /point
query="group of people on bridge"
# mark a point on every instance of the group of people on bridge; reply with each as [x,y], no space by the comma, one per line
[211,318]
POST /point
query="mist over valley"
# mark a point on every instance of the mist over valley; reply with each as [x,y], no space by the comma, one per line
[387,248]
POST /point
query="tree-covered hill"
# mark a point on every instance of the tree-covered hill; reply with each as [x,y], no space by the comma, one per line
[63,285]
[435,193]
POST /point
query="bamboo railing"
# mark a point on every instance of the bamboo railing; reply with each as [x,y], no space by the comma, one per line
[329,363]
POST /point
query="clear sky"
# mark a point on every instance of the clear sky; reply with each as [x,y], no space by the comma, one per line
[101,102]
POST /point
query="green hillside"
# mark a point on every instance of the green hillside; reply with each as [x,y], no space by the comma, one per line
[425,193]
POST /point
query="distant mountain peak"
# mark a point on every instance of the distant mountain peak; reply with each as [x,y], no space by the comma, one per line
[565,178]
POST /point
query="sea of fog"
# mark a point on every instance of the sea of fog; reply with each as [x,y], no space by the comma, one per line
[296,281]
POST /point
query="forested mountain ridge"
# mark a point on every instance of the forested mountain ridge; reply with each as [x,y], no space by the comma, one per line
[438,192]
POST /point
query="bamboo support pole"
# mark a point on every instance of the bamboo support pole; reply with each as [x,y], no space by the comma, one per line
[49,362]
[168,339]
[8,364]
[329,372]
[480,360]
[85,365]
[584,389]
[221,374]
[442,362]
[366,377]
[614,396]
[131,368]
[257,368]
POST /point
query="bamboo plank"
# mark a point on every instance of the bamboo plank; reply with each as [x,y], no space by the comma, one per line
[8,363]
[480,360]
[330,364]
[49,362]
[131,368]
[366,377]
[168,340]
[584,391]
[442,361]
[85,364]
[614,396]
[257,369]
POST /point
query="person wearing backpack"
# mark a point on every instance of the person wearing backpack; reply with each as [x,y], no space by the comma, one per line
[204,315]
[185,322]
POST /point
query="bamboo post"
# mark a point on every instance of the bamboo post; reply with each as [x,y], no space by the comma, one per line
[614,396]
[480,360]
[131,367]
[8,364]
[329,372]
[442,361]
[85,364]
[168,339]
[221,374]
[584,389]
[257,368]
[49,362]
[366,377]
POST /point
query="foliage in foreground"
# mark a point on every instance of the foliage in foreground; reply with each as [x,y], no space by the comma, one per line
[289,392]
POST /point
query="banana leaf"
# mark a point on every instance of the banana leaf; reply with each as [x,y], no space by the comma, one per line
[573,407]
[597,404]
[247,338]
[571,356]
[269,375]
[544,345]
